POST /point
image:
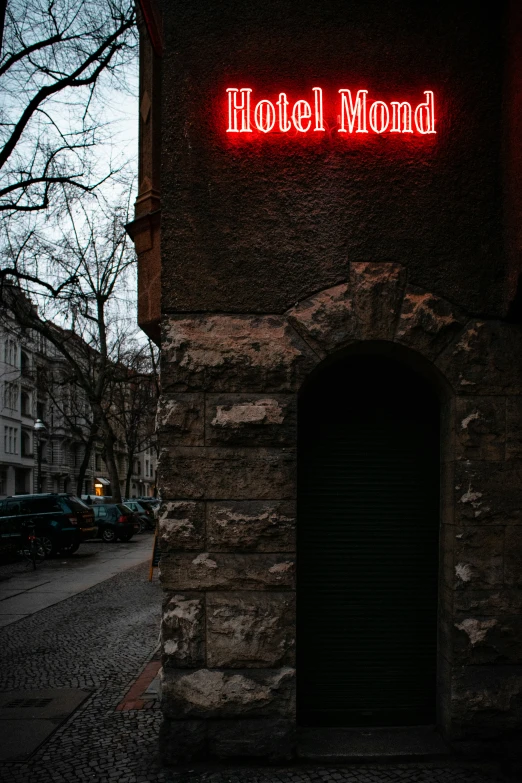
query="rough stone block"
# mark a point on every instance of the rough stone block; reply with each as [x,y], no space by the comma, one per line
[480,431]
[488,493]
[482,361]
[376,290]
[482,640]
[255,525]
[180,420]
[326,319]
[217,571]
[221,473]
[181,525]
[250,419]
[513,556]
[427,323]
[228,694]
[514,428]
[478,557]
[272,739]
[489,603]
[486,700]
[182,740]
[183,630]
[233,353]
[250,630]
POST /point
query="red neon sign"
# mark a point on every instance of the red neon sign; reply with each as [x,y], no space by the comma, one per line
[355,114]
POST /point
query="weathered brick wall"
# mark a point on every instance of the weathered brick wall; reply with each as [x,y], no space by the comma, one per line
[228,434]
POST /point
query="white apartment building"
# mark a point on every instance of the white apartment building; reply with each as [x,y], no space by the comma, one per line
[30,367]
[17,413]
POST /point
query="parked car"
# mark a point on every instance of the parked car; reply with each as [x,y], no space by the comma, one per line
[144,512]
[153,502]
[115,522]
[61,520]
[90,499]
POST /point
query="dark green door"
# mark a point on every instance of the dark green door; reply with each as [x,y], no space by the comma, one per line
[368,510]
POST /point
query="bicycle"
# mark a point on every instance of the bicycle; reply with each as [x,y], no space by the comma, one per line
[32,548]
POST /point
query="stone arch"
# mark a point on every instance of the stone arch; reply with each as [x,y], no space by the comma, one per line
[376,311]
[474,363]
[377,304]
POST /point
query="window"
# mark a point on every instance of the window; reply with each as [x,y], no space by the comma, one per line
[97,462]
[10,440]
[27,449]
[3,481]
[44,506]
[40,411]
[10,352]
[25,364]
[12,508]
[54,453]
[26,404]
[146,467]
[11,395]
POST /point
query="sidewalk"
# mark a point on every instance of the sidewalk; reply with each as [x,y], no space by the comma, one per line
[26,591]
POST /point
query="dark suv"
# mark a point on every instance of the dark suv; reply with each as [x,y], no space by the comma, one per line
[61,520]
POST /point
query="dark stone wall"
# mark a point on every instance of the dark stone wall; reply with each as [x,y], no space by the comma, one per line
[227,432]
[277,254]
[256,226]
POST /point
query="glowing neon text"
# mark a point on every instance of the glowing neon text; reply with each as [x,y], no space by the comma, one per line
[355,114]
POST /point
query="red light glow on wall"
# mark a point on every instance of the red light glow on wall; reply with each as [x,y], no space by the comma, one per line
[354,111]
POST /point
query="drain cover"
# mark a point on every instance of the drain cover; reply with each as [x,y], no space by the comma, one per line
[28,718]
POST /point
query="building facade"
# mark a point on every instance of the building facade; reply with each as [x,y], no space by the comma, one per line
[334,260]
[18,406]
[34,385]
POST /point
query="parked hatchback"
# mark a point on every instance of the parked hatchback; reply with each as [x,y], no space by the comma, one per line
[61,520]
[115,522]
[141,510]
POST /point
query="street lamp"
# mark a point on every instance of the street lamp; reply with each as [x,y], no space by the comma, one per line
[39,430]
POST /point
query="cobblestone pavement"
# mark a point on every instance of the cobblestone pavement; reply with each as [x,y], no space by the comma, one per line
[360,773]
[101,640]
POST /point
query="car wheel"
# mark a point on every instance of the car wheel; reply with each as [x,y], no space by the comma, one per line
[70,549]
[126,537]
[47,545]
[108,535]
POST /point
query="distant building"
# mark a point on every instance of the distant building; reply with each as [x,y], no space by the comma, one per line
[17,413]
[34,385]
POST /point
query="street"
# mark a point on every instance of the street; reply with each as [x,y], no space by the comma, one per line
[93,655]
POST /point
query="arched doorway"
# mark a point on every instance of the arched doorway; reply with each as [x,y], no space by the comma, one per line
[367,546]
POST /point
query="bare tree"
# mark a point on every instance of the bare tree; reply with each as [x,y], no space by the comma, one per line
[56,56]
[134,401]
[93,257]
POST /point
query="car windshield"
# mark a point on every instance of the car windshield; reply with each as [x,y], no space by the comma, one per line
[122,509]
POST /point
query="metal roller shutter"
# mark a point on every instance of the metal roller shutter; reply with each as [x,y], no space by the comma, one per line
[367,548]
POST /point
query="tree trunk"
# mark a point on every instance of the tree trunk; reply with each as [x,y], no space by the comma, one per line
[108,443]
[85,461]
[112,468]
[130,460]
